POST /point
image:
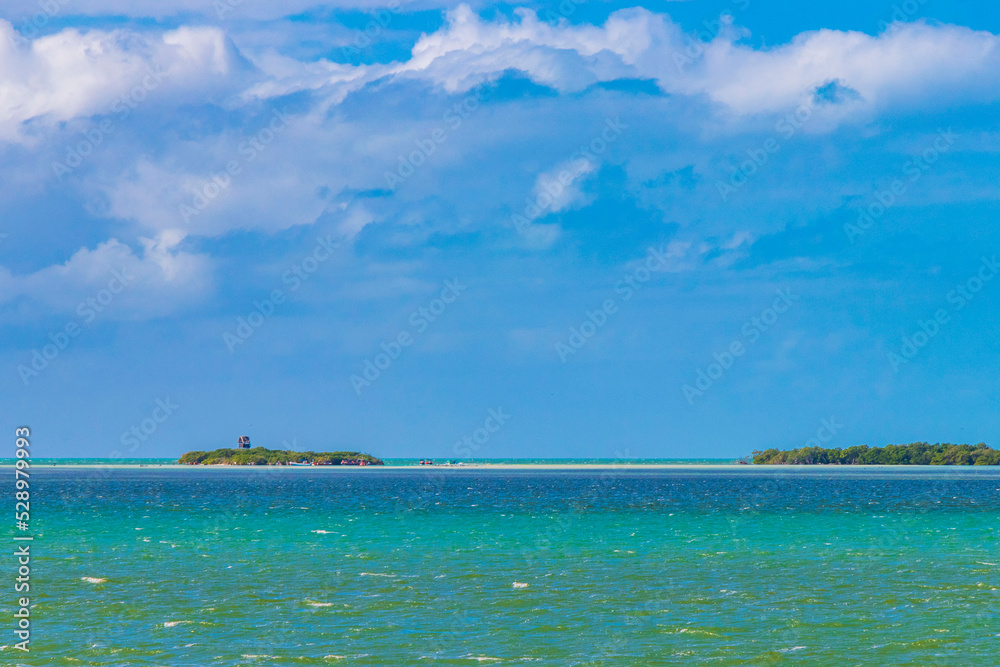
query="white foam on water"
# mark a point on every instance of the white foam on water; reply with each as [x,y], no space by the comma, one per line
[518,584]
[319,604]
[376,574]
[170,624]
[698,631]
[93,580]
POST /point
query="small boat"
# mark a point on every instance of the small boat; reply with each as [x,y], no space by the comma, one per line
[298,463]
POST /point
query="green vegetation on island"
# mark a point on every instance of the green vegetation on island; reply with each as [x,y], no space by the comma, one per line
[263,457]
[917,453]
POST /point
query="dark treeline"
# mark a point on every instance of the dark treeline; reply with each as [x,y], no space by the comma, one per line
[262,457]
[917,453]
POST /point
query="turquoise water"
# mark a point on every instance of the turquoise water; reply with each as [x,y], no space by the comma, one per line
[583,461]
[469,567]
[93,462]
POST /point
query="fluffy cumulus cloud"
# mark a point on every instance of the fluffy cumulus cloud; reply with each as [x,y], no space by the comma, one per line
[76,73]
[125,284]
[231,185]
[908,64]
[561,56]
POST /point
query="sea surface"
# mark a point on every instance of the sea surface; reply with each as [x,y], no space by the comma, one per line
[368,566]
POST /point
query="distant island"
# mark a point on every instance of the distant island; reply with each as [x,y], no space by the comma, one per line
[916,453]
[276,457]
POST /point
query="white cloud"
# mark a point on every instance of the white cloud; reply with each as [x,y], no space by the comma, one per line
[467,49]
[126,285]
[913,63]
[273,189]
[74,74]
[284,75]
[559,188]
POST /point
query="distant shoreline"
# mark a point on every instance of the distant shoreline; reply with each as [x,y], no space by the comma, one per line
[500,467]
[915,453]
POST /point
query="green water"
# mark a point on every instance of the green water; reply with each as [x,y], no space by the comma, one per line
[380,567]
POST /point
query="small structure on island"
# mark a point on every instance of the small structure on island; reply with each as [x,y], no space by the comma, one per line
[244,442]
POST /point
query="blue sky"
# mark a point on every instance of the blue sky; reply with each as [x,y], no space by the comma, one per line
[687,229]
